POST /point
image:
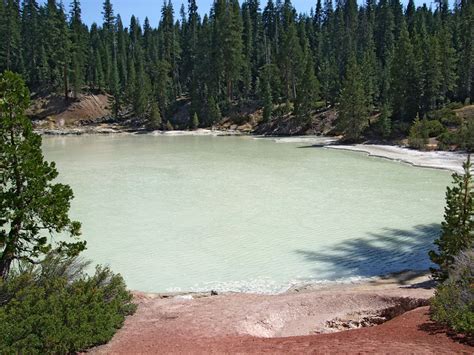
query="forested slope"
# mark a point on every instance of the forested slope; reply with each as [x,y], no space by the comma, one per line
[379,60]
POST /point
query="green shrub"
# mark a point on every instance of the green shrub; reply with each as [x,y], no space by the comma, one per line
[455,105]
[463,137]
[448,138]
[422,130]
[418,137]
[453,304]
[56,308]
[435,128]
[446,116]
[466,135]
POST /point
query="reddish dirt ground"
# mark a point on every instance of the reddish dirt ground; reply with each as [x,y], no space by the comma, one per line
[410,333]
[292,322]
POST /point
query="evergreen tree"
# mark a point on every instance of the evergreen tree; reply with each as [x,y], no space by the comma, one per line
[405,79]
[141,91]
[457,233]
[195,121]
[31,205]
[291,56]
[154,119]
[78,47]
[447,55]
[466,50]
[115,90]
[228,46]
[122,44]
[57,47]
[267,102]
[10,45]
[308,88]
[109,57]
[31,42]
[213,111]
[353,115]
[385,124]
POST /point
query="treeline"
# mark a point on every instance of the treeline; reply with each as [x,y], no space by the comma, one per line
[381,57]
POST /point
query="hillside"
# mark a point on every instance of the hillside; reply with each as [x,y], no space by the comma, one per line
[53,112]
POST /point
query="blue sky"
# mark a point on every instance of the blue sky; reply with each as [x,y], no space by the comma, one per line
[92,9]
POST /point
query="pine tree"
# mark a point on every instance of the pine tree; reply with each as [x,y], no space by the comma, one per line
[267,102]
[78,48]
[31,42]
[170,49]
[109,22]
[457,230]
[228,46]
[308,88]
[405,79]
[291,57]
[31,205]
[353,115]
[10,45]
[195,121]
[385,123]
[122,44]
[115,90]
[154,119]
[213,111]
[57,47]
[142,91]
[448,61]
[63,49]
[3,34]
[466,50]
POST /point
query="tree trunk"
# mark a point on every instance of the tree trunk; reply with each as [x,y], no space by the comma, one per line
[66,84]
[5,264]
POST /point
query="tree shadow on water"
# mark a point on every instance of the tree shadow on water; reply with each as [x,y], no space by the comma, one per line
[389,251]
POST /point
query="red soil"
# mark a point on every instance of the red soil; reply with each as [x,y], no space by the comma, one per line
[410,333]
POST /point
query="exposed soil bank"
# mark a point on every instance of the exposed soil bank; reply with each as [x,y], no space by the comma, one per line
[301,320]
[437,159]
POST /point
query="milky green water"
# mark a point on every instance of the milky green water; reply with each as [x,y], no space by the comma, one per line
[245,214]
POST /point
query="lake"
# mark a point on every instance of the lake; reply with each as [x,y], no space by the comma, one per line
[244,214]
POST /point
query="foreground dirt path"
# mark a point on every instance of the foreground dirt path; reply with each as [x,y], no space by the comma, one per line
[295,322]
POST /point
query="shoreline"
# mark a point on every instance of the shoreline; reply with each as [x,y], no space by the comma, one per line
[441,160]
[403,277]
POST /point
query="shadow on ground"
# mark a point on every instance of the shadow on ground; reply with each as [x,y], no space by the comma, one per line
[390,251]
[434,328]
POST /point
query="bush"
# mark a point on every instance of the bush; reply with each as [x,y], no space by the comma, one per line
[466,135]
[463,137]
[453,304]
[446,116]
[418,137]
[422,130]
[449,138]
[56,308]
[455,105]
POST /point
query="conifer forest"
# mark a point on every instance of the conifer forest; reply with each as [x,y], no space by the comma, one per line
[378,58]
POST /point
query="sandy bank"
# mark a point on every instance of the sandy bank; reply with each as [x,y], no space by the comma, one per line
[198,132]
[222,323]
[438,160]
[114,129]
